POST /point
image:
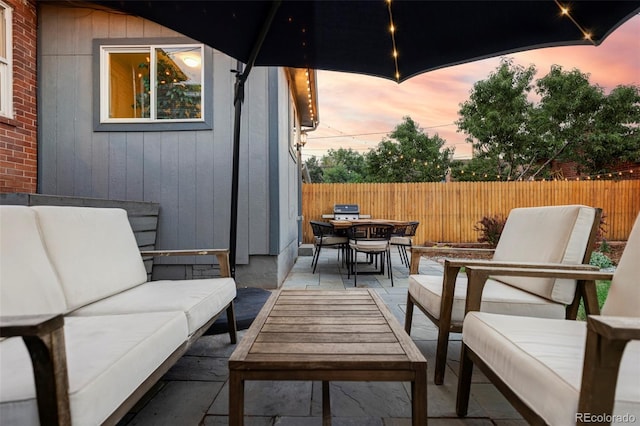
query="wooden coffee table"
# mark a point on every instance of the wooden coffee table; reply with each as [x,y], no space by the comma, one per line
[347,335]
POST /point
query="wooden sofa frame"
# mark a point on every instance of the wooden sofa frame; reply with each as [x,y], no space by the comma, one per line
[44,338]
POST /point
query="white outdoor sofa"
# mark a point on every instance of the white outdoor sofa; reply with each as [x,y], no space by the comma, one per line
[84,335]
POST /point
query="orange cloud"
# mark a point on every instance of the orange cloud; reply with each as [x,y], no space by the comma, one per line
[357,111]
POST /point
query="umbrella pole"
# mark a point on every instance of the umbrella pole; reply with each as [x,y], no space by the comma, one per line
[241,78]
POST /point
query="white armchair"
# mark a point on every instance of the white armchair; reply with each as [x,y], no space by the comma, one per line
[557,371]
[550,237]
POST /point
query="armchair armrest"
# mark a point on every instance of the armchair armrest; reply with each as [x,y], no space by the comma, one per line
[478,276]
[607,338]
[418,251]
[43,336]
[221,254]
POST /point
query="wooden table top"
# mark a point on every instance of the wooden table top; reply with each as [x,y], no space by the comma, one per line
[342,224]
[307,330]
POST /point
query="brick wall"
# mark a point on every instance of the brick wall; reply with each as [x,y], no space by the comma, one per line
[18,135]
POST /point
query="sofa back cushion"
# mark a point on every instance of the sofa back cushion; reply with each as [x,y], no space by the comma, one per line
[29,284]
[94,251]
[552,234]
[624,293]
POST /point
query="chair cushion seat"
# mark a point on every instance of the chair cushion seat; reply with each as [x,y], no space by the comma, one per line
[496,297]
[108,358]
[401,241]
[330,240]
[200,300]
[369,245]
[541,361]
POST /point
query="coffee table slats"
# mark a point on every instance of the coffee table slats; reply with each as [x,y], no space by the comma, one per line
[327,336]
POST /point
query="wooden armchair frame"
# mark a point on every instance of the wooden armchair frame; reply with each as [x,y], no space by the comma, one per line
[452,268]
[607,338]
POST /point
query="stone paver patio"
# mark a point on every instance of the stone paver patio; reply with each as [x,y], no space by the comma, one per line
[195,390]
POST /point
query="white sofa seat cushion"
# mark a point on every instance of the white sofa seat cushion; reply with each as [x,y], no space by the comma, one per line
[533,355]
[108,358]
[496,297]
[93,250]
[200,300]
[28,282]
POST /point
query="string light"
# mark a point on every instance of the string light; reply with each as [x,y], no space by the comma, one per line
[392,30]
[564,11]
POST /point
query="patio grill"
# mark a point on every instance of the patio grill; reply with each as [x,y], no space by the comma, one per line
[346,212]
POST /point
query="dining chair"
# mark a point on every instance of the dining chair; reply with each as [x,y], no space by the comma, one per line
[402,237]
[552,236]
[373,240]
[324,235]
[558,371]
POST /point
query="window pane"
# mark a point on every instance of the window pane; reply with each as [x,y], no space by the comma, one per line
[129,87]
[179,82]
[3,33]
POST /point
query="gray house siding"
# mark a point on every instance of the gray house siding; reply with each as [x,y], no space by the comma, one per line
[188,172]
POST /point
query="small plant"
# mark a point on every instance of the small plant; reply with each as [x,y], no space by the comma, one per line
[600,260]
[490,229]
[605,247]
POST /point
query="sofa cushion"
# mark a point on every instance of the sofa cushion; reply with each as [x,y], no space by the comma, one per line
[536,355]
[496,297]
[551,234]
[93,250]
[624,294]
[200,300]
[30,285]
[108,358]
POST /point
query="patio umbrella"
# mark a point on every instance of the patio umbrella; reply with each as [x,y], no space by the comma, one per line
[390,39]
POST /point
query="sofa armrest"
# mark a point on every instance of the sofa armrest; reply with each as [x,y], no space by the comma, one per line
[586,278]
[43,336]
[221,254]
[30,325]
[607,338]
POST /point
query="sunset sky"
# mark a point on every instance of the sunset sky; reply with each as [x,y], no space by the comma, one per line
[357,111]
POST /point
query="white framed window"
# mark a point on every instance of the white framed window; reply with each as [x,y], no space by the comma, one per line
[6,61]
[151,83]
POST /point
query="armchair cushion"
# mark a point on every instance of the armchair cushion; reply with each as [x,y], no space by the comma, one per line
[193,297]
[103,239]
[550,234]
[533,355]
[102,371]
[496,297]
[28,283]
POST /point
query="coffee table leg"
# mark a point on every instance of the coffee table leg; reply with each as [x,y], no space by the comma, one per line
[236,399]
[419,398]
[326,404]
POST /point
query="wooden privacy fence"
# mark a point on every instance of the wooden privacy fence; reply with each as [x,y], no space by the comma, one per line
[448,212]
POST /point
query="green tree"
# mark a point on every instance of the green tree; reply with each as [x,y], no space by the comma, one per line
[314,169]
[616,135]
[343,165]
[409,155]
[565,119]
[496,119]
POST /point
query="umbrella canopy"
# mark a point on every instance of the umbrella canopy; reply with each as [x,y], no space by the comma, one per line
[394,39]
[356,36]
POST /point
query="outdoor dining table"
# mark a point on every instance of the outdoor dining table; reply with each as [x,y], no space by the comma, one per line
[346,224]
